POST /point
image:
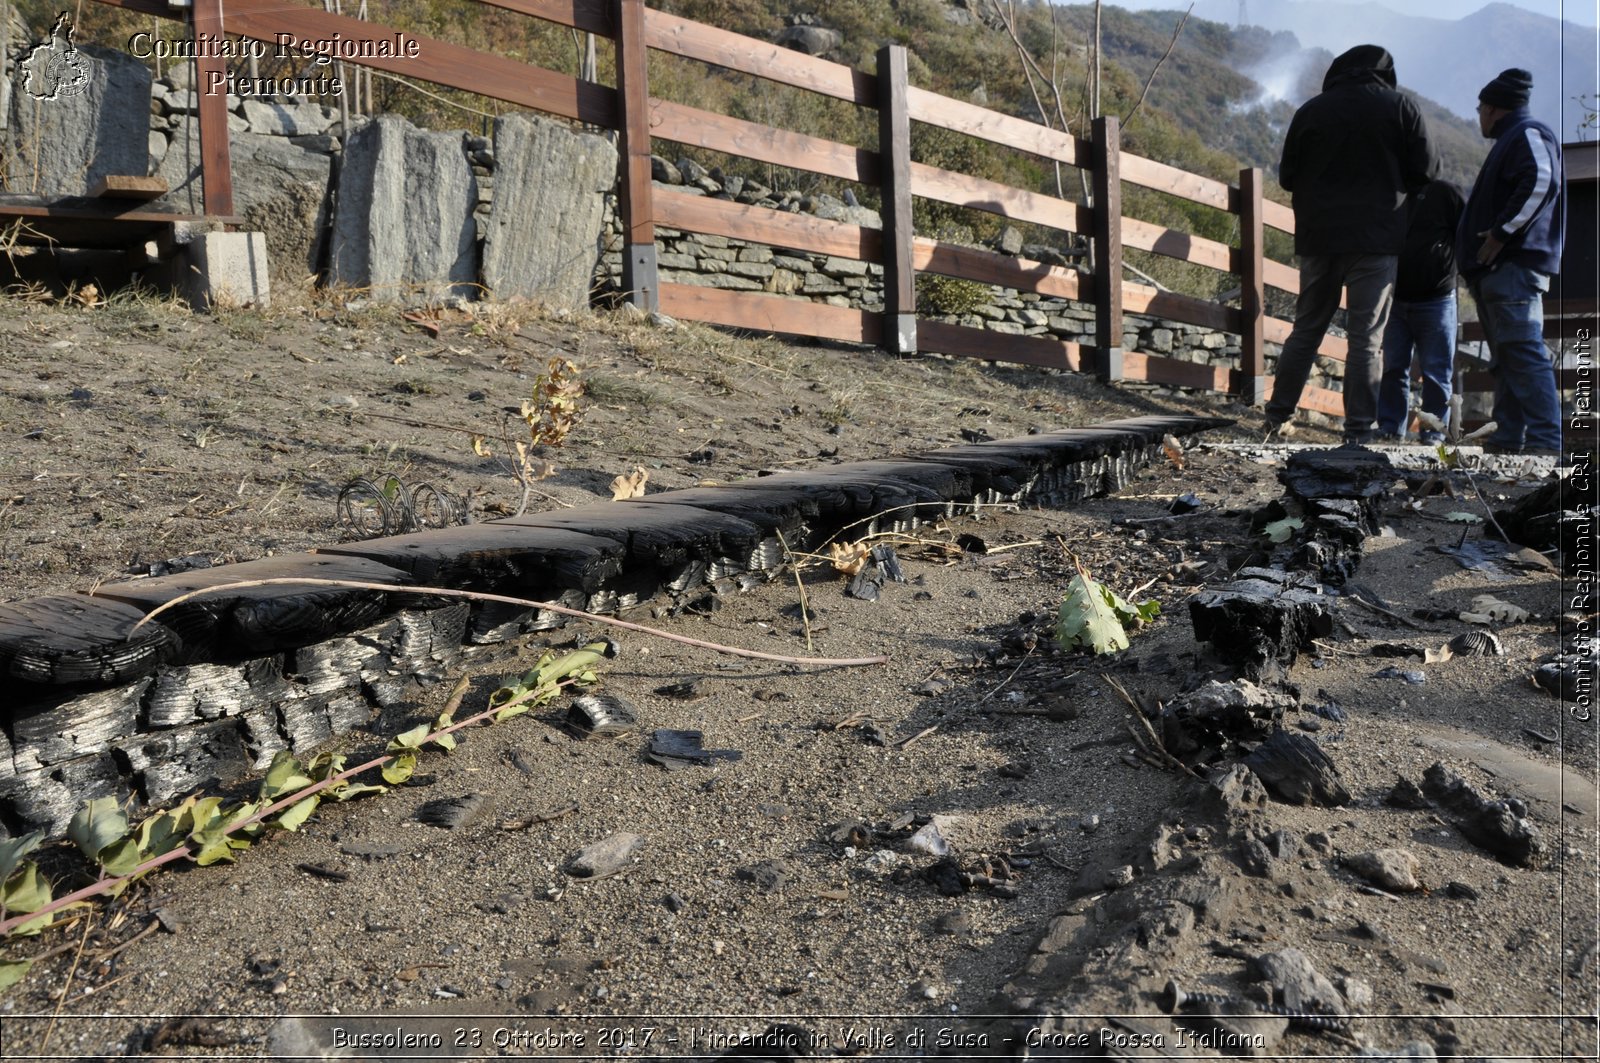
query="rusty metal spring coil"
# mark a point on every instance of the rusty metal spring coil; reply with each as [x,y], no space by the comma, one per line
[387,505]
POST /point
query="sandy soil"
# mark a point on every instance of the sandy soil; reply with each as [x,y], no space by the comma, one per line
[783,885]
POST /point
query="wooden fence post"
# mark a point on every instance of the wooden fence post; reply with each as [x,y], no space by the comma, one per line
[1107,184]
[894,178]
[211,70]
[1252,291]
[640,279]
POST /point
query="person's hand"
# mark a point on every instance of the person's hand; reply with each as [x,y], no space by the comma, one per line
[1490,248]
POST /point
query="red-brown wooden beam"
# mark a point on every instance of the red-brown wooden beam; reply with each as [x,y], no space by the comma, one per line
[641,281]
[1108,247]
[216,169]
[894,181]
[1252,290]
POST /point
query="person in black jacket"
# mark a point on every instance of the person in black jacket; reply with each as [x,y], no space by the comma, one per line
[1509,245]
[1423,317]
[1351,156]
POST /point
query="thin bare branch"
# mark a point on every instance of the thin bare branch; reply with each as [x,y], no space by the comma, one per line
[1128,118]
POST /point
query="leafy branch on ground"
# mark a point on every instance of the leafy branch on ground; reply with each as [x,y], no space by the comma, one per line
[207,830]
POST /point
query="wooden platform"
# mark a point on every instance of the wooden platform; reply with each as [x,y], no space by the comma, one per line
[109,223]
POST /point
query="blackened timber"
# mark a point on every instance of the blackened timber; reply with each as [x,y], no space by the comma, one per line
[248,621]
[496,556]
[70,638]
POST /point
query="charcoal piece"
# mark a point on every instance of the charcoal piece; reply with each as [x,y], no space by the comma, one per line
[453,813]
[1187,502]
[1218,714]
[687,690]
[1501,827]
[347,711]
[1405,794]
[77,726]
[73,638]
[1476,643]
[675,750]
[245,622]
[882,566]
[175,761]
[946,876]
[1569,675]
[1297,771]
[1259,626]
[602,715]
[1538,520]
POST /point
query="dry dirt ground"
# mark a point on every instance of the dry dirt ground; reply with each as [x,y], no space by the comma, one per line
[782,886]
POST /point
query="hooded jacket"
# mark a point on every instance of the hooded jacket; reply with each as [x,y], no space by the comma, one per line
[1520,194]
[1352,154]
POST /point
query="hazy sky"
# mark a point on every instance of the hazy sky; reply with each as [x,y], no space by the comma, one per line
[1580,11]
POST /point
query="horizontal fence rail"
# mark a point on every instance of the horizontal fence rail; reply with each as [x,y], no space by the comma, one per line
[640,119]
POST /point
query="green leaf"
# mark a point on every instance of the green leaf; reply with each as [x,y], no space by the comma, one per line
[164,831]
[120,858]
[27,891]
[12,850]
[98,824]
[400,768]
[444,742]
[325,765]
[294,817]
[12,972]
[285,776]
[411,739]
[1281,531]
[511,711]
[1088,619]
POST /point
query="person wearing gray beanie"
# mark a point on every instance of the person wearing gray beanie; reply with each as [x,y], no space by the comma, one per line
[1508,246]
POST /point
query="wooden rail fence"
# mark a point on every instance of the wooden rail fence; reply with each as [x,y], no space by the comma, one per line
[640,119]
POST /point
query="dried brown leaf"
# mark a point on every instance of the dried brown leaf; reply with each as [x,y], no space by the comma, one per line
[630,486]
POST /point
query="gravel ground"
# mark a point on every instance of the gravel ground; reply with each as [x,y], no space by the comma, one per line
[784,885]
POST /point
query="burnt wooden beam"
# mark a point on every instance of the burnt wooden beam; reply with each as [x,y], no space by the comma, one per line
[246,622]
[69,638]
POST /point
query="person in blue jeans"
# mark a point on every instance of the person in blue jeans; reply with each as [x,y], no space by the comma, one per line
[1422,320]
[1508,246]
[1351,156]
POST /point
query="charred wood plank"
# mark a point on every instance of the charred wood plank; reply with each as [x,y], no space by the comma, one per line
[189,694]
[499,557]
[246,622]
[45,798]
[69,638]
[76,725]
[652,535]
[167,764]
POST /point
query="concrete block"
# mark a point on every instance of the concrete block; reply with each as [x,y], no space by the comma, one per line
[226,269]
